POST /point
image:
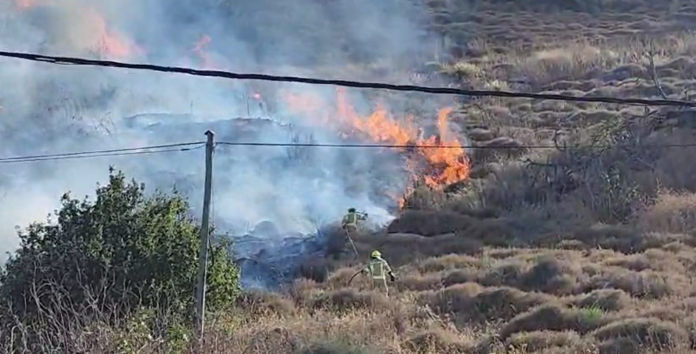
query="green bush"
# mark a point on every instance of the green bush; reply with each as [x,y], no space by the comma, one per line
[121,252]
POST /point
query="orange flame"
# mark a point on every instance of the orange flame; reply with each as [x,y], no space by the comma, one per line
[444,153]
[443,165]
[111,43]
[106,41]
[27,4]
[445,159]
[449,157]
[199,49]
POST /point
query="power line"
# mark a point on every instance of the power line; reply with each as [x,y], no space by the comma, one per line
[156,149]
[105,151]
[95,155]
[181,147]
[465,147]
[345,83]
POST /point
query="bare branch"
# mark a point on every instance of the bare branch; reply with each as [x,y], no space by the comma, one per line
[653,71]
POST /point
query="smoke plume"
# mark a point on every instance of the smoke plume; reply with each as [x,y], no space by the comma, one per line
[52,109]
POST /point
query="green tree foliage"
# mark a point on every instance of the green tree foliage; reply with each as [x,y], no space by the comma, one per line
[122,250]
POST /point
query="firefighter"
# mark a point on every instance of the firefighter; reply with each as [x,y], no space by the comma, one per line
[350,221]
[378,269]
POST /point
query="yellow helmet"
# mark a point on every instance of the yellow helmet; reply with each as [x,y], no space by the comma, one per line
[376,254]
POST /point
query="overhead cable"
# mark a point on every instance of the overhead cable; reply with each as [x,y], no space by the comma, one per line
[183,147]
[465,147]
[344,83]
[155,149]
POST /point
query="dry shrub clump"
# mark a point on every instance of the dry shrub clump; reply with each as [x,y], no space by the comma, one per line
[459,276]
[638,334]
[543,273]
[447,262]
[608,300]
[554,317]
[401,249]
[671,212]
[265,303]
[438,341]
[470,302]
[540,340]
[349,299]
[419,282]
[506,272]
[653,259]
[551,275]
[645,284]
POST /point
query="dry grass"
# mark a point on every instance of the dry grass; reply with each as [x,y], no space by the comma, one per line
[578,250]
[502,301]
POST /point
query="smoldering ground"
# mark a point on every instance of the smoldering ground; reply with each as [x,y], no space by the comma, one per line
[51,109]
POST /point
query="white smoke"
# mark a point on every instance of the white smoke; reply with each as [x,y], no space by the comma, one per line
[53,109]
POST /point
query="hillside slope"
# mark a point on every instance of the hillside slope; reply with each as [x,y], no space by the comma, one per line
[582,247]
[573,233]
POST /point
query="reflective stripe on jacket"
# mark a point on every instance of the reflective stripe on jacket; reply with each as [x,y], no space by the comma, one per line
[350,219]
[378,268]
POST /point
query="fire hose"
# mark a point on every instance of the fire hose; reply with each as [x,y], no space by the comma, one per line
[353,277]
[393,278]
[357,256]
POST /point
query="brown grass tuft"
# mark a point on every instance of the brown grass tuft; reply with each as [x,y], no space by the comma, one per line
[505,273]
[671,212]
[459,276]
[553,317]
[264,303]
[452,298]
[447,262]
[349,300]
[645,284]
[470,302]
[551,275]
[641,333]
[438,341]
[604,299]
[501,304]
[419,282]
[540,340]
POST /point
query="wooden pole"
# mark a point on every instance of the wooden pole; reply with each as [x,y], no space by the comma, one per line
[205,234]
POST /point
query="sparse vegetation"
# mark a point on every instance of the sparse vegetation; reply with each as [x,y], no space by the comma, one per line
[584,247]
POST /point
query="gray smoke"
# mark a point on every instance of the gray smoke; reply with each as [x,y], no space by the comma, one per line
[52,109]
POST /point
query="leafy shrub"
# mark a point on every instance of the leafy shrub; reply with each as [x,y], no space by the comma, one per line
[120,252]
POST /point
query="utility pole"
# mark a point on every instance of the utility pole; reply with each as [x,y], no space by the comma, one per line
[205,234]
